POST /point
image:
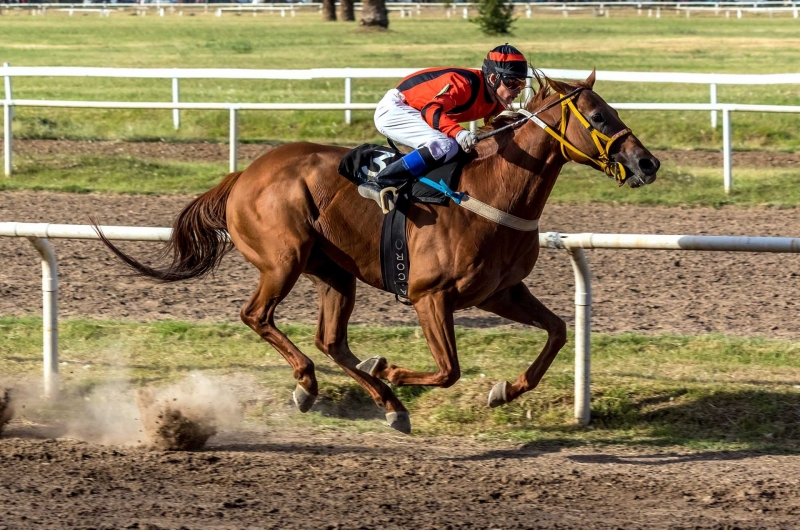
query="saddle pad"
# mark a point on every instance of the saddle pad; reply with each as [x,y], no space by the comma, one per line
[365,161]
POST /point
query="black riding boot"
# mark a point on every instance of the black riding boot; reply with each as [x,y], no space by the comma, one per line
[383,189]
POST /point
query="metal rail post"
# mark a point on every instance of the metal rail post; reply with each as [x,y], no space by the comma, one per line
[49,315]
[348,86]
[234,139]
[176,113]
[8,116]
[726,151]
[583,325]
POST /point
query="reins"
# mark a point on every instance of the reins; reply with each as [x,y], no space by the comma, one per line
[603,161]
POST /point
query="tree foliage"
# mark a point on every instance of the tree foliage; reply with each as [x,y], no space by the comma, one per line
[495,17]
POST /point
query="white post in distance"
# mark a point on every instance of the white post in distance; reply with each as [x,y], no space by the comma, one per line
[713,89]
[348,95]
[176,113]
[726,150]
[8,116]
[234,139]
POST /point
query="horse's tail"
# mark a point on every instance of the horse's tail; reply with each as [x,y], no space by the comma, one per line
[199,238]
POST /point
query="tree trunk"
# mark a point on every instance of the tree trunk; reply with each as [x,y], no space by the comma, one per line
[348,13]
[329,10]
[374,13]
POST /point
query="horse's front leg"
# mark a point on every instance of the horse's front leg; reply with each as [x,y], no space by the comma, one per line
[518,304]
[435,313]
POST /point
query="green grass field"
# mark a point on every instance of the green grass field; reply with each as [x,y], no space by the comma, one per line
[700,392]
[701,44]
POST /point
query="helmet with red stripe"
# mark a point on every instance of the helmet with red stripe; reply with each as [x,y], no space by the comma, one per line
[507,62]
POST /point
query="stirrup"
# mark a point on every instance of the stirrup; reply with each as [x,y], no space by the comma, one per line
[385,197]
[388,198]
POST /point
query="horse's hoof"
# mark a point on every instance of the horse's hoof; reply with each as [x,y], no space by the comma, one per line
[498,395]
[399,421]
[302,398]
[370,366]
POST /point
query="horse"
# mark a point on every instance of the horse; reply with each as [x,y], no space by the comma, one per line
[291,213]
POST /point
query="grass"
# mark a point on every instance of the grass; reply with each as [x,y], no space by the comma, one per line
[698,392]
[676,185]
[699,44]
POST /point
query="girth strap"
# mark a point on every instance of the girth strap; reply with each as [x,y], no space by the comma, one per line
[484,210]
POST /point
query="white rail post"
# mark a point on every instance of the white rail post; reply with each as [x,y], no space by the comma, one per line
[176,113]
[726,150]
[49,315]
[713,89]
[583,329]
[8,116]
[234,139]
[348,94]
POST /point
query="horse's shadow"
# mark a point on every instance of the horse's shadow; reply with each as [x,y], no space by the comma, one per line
[766,422]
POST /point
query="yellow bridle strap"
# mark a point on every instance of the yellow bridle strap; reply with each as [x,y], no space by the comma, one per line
[603,160]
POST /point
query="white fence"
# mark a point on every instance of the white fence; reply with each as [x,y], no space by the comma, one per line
[348,74]
[574,244]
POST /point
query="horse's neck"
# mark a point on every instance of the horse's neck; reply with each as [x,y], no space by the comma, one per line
[519,177]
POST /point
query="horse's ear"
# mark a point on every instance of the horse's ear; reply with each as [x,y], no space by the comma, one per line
[559,86]
[590,80]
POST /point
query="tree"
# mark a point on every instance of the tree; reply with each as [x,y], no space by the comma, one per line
[329,10]
[348,14]
[374,13]
[494,17]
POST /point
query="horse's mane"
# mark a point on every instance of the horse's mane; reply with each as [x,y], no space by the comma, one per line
[541,91]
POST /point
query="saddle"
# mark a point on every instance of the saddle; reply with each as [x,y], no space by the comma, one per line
[362,164]
[367,160]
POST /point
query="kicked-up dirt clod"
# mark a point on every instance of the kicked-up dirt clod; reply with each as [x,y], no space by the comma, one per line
[6,412]
[173,426]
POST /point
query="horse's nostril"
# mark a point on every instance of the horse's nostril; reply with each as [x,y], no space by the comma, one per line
[649,165]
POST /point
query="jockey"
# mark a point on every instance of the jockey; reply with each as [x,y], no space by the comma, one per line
[425,109]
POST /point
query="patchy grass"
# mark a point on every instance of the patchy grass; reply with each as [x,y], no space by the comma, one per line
[699,392]
[629,43]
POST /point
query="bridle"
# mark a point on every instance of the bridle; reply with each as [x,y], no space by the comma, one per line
[603,161]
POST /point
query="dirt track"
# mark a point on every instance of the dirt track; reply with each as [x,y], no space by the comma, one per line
[367,481]
[323,479]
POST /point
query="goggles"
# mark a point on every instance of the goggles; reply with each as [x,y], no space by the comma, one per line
[513,84]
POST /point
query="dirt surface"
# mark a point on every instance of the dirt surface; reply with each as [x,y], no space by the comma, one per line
[332,480]
[213,152]
[650,292]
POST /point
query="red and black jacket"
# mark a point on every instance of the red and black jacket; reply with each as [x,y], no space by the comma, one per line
[447,96]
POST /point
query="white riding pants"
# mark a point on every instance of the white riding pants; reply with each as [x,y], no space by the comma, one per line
[399,121]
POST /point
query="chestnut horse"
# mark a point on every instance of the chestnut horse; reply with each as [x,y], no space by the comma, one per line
[290,213]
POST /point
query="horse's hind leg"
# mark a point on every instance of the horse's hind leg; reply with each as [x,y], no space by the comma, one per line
[273,286]
[337,293]
[518,304]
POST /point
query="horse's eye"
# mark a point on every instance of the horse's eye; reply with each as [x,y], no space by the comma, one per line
[597,118]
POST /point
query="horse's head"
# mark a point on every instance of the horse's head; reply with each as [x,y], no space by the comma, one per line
[594,135]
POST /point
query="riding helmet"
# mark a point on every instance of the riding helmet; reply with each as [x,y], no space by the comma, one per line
[506,61]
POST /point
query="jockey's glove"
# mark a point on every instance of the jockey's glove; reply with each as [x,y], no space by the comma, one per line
[467,140]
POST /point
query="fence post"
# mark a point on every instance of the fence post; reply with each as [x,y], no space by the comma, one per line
[234,139]
[176,113]
[49,314]
[8,116]
[713,89]
[726,150]
[583,325]
[348,93]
